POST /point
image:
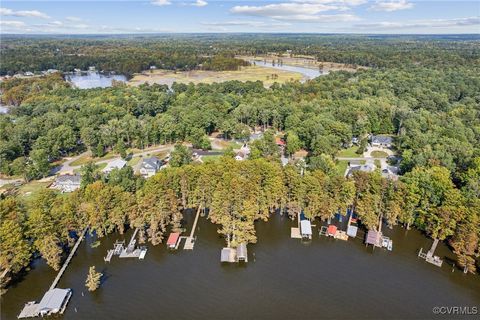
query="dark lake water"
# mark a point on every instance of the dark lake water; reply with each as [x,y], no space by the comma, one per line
[88,80]
[284,279]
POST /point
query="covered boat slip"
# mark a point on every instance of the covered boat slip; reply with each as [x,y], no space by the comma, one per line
[240,254]
[54,301]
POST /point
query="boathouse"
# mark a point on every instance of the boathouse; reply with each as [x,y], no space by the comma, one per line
[228,255]
[374,238]
[306,229]
[242,254]
[332,230]
[54,301]
[173,240]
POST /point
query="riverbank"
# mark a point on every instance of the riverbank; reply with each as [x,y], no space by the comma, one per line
[284,279]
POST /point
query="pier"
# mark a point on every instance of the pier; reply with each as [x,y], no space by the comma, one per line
[55,300]
[129,252]
[190,240]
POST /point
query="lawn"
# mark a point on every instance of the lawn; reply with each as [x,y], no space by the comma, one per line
[349,153]
[251,73]
[86,159]
[134,161]
[100,167]
[378,154]
[33,187]
[342,167]
[214,158]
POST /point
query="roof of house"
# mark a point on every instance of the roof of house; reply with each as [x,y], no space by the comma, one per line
[227,255]
[151,163]
[68,178]
[53,299]
[173,238]
[369,167]
[279,141]
[306,227]
[382,139]
[115,164]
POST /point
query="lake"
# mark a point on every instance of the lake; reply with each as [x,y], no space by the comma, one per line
[284,279]
[308,73]
[88,80]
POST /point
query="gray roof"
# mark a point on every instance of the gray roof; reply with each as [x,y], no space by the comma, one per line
[306,227]
[151,163]
[242,251]
[67,178]
[382,139]
[53,299]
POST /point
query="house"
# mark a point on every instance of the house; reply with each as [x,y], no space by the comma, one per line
[115,164]
[368,167]
[355,141]
[29,74]
[173,239]
[150,166]
[67,183]
[240,156]
[92,69]
[153,67]
[381,141]
[279,142]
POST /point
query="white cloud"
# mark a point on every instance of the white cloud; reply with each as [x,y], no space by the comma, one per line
[13,24]
[390,6]
[73,19]
[433,23]
[161,2]
[23,13]
[301,10]
[200,3]
[245,23]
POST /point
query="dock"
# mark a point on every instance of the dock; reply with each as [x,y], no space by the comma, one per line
[190,240]
[55,300]
[69,258]
[129,252]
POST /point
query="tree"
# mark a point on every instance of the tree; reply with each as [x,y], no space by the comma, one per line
[180,156]
[89,174]
[93,279]
[293,143]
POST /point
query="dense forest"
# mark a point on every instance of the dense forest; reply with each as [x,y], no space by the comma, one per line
[425,92]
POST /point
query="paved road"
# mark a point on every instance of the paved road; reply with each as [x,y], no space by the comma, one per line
[66,167]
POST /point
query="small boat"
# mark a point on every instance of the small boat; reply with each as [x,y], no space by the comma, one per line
[390,245]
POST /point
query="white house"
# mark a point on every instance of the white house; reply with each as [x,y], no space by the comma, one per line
[115,164]
[150,166]
[381,141]
[369,167]
[243,153]
[67,183]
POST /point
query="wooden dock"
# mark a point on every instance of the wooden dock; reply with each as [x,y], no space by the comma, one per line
[190,240]
[69,258]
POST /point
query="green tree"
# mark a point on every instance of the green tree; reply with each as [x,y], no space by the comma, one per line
[93,279]
[180,156]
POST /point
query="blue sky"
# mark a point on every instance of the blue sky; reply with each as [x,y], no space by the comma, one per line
[317,16]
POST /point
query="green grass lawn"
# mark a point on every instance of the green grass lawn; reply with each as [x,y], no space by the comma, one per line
[32,188]
[377,163]
[379,154]
[349,153]
[342,166]
[207,159]
[86,159]
[100,167]
[134,161]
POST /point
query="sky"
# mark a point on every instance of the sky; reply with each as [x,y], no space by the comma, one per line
[284,16]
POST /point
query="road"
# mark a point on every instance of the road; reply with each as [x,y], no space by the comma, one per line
[67,168]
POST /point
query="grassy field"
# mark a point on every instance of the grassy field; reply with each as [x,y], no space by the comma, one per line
[342,166]
[305,62]
[134,161]
[86,159]
[251,73]
[349,153]
[100,166]
[379,154]
[33,187]
[207,159]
